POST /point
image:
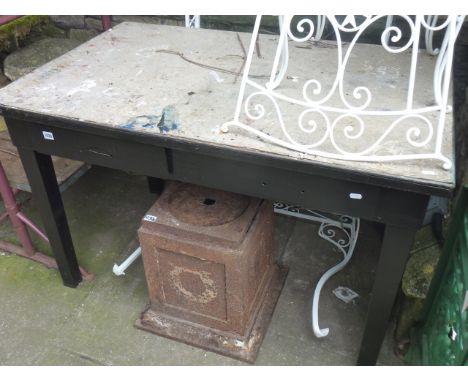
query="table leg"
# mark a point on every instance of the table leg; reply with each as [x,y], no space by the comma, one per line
[41,175]
[155,185]
[397,243]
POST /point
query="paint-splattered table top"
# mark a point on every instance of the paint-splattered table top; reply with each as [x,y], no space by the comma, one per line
[182,82]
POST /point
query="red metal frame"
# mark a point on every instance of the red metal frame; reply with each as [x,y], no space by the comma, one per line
[106,22]
[20,223]
[7,19]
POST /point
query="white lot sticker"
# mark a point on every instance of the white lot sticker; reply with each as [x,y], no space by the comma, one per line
[48,135]
[150,218]
[357,196]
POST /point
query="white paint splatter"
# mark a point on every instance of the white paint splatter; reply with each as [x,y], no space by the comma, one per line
[146,52]
[45,88]
[84,87]
[381,70]
[428,172]
[139,72]
[216,76]
[111,92]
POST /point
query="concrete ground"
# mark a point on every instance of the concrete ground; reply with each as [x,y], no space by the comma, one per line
[44,323]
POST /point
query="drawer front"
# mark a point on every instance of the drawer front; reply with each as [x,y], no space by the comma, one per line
[107,151]
[304,189]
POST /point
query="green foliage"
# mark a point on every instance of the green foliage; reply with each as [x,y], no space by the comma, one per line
[12,32]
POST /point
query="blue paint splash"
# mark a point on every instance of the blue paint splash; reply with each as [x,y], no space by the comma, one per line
[169,119]
[142,121]
[165,122]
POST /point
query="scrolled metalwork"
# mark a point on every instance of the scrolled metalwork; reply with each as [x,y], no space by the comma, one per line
[300,28]
[256,111]
[350,20]
[346,246]
[192,21]
[316,91]
[328,231]
[413,134]
[342,232]
[422,138]
[431,23]
[386,37]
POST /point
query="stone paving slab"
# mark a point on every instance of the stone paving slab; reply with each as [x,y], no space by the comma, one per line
[25,60]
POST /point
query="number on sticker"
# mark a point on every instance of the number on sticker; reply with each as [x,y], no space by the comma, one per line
[48,135]
[150,218]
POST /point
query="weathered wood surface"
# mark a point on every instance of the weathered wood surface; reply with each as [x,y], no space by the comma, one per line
[128,77]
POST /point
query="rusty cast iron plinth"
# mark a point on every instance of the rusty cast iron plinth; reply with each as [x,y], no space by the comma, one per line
[208,262]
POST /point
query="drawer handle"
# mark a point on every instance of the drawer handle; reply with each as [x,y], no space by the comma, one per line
[99,153]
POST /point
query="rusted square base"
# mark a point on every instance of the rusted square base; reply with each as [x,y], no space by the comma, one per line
[244,348]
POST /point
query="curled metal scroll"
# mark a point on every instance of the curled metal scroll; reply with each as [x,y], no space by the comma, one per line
[325,109]
[342,232]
